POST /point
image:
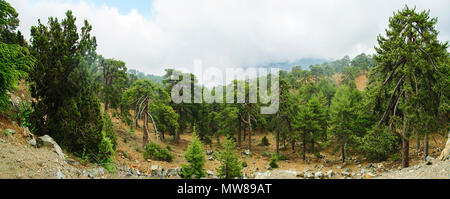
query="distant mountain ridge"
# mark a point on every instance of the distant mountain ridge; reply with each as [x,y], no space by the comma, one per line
[287,65]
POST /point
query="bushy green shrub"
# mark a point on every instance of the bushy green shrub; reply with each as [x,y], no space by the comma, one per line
[378,144]
[109,130]
[264,141]
[106,151]
[282,157]
[273,161]
[156,152]
[230,167]
[195,156]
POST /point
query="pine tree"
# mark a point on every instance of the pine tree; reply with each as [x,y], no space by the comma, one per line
[195,157]
[343,116]
[411,73]
[66,106]
[230,167]
[15,59]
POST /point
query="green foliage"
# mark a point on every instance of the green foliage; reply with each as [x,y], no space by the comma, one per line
[230,167]
[109,129]
[273,161]
[195,157]
[15,61]
[106,152]
[264,141]
[156,152]
[379,144]
[113,80]
[66,106]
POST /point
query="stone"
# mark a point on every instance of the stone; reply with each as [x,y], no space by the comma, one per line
[47,141]
[211,158]
[369,166]
[309,175]
[445,154]
[11,131]
[72,162]
[262,175]
[339,167]
[156,171]
[318,175]
[209,152]
[330,174]
[32,142]
[210,173]
[247,152]
[346,174]
[60,175]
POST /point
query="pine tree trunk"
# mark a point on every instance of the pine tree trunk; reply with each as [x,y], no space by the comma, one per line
[278,141]
[343,153]
[293,146]
[249,130]
[425,147]
[312,145]
[304,146]
[239,133]
[245,132]
[405,144]
[145,130]
[416,134]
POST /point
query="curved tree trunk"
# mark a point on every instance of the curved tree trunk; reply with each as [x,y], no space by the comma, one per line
[405,144]
[425,146]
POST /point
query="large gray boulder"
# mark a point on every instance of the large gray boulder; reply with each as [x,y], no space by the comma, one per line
[446,152]
[47,141]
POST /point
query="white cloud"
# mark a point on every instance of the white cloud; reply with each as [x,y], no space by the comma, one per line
[232,33]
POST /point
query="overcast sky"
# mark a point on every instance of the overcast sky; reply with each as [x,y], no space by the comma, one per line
[153,35]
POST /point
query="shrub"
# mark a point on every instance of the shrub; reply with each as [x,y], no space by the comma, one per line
[109,130]
[195,156]
[378,144]
[168,147]
[106,151]
[282,157]
[264,141]
[273,162]
[156,152]
[244,164]
[230,167]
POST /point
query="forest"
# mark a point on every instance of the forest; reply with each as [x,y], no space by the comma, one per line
[77,93]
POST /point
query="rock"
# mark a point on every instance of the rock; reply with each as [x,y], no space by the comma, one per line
[156,171]
[262,175]
[318,175]
[369,166]
[72,162]
[60,175]
[269,168]
[173,172]
[32,142]
[445,154]
[11,131]
[428,160]
[346,174]
[309,175]
[247,152]
[210,173]
[209,152]
[211,158]
[339,167]
[47,141]
[380,166]
[330,174]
